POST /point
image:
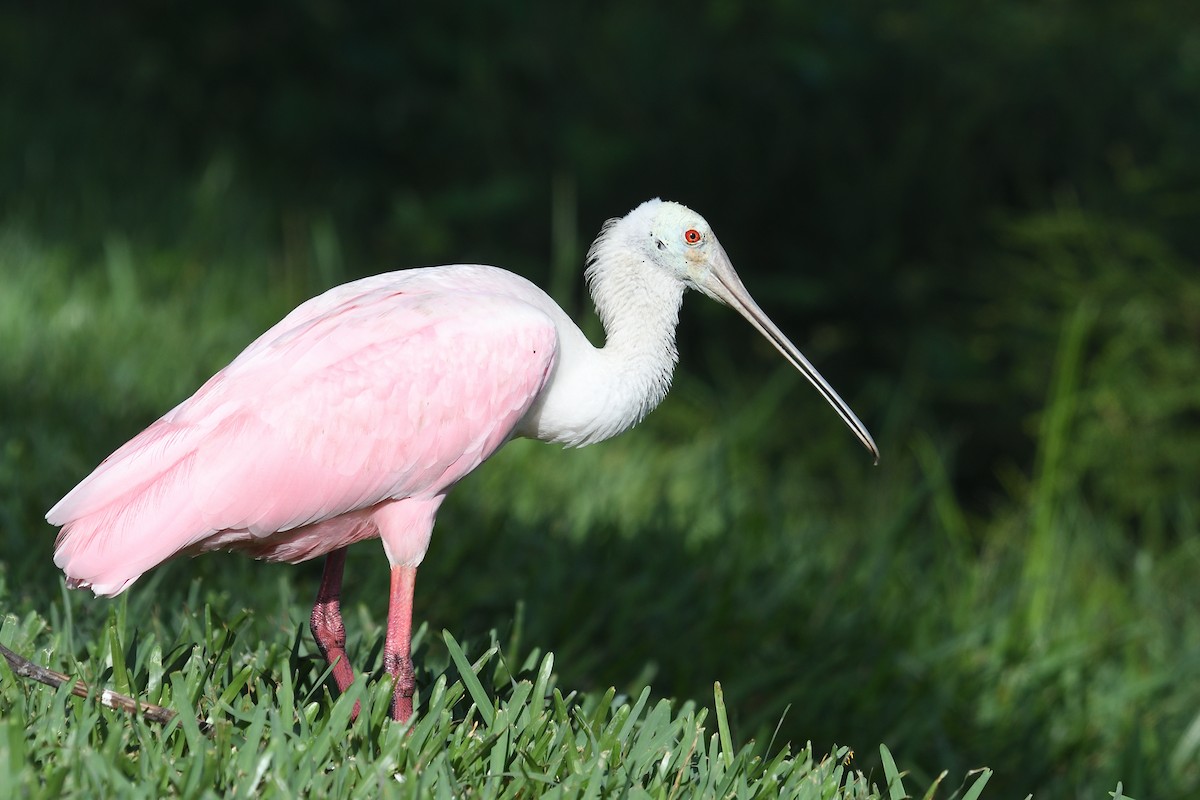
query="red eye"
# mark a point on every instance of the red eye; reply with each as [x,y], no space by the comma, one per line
[692,236]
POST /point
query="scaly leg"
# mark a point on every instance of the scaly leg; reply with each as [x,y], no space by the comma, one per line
[397,648]
[326,622]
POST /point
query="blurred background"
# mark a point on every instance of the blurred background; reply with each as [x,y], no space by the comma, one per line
[978,220]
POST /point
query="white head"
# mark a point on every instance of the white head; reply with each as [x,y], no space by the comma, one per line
[676,240]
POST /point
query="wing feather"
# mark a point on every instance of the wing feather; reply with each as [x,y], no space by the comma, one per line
[384,394]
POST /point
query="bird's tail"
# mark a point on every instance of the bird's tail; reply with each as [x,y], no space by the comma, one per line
[109,549]
[125,518]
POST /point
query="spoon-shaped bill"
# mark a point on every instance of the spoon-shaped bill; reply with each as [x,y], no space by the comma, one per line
[723,285]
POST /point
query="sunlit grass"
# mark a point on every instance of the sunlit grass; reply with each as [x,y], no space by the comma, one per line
[486,726]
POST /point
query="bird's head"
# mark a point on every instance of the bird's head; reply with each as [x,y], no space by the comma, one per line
[673,238]
[677,240]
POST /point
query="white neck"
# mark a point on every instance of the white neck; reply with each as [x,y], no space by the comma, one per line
[597,393]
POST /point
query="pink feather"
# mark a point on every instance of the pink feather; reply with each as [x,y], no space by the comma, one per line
[350,418]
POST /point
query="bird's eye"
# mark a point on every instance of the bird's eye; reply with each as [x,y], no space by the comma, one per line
[692,236]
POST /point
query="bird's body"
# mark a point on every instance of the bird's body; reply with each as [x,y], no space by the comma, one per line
[348,419]
[354,415]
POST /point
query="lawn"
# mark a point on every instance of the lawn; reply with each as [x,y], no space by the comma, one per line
[599,597]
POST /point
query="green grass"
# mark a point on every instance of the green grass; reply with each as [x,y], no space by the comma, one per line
[736,540]
[275,731]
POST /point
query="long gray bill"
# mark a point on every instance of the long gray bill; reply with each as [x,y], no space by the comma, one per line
[726,287]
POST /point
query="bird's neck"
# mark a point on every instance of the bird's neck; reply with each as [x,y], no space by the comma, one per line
[597,393]
[638,306]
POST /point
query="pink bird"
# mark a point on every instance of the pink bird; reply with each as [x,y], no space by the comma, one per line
[353,417]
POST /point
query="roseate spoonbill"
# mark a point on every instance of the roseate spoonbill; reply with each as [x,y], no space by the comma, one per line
[353,416]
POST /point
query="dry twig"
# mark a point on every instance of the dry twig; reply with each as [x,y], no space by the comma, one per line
[25,668]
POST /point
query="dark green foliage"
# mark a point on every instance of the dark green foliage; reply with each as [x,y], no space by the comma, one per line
[978,219]
[872,168]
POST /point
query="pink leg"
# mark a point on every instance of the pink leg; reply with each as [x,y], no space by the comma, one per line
[326,622]
[397,648]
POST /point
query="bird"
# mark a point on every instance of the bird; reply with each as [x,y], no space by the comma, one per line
[354,416]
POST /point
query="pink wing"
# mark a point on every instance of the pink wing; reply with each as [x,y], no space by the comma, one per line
[360,396]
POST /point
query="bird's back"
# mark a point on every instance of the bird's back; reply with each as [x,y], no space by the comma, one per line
[388,388]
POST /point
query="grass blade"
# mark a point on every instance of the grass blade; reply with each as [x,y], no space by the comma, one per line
[470,679]
[976,789]
[723,726]
[895,783]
